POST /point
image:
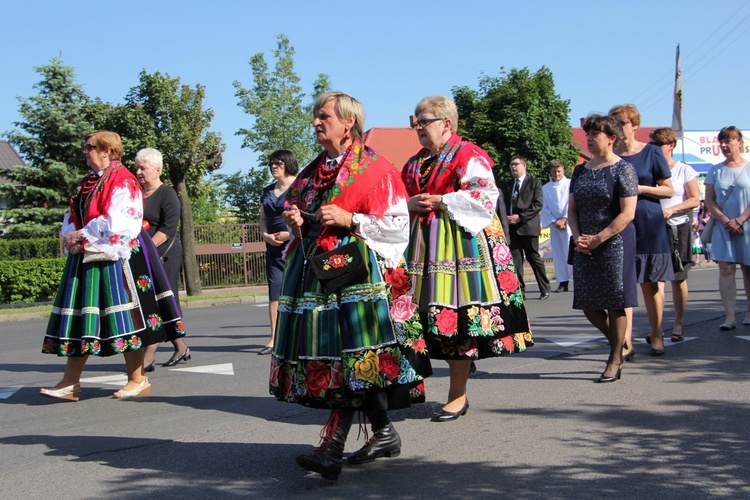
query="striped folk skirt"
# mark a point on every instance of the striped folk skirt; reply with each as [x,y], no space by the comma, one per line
[110,307]
[470,302]
[333,350]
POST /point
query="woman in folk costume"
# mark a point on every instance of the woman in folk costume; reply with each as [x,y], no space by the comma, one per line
[352,340]
[114,296]
[463,278]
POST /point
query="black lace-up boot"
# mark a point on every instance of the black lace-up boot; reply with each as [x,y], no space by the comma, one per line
[385,441]
[327,459]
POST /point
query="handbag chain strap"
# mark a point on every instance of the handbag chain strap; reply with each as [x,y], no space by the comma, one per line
[731,188]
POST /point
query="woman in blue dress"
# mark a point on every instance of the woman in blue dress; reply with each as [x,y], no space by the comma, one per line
[730,206]
[653,259]
[283,166]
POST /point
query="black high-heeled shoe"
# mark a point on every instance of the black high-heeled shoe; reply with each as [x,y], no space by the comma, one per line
[658,352]
[630,356]
[602,379]
[185,356]
[150,368]
[447,416]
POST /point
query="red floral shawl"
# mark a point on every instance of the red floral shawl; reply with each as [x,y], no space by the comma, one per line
[447,171]
[364,184]
[98,202]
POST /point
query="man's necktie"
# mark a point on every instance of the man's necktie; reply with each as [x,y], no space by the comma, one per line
[516,188]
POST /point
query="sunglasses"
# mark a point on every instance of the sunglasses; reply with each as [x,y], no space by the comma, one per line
[88,147]
[417,124]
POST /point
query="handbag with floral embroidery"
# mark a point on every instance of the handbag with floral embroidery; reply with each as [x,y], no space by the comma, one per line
[341,267]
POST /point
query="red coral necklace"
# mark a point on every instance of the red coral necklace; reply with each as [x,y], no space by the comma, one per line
[326,173]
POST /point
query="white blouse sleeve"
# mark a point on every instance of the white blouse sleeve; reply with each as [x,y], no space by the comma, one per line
[115,234]
[388,236]
[473,207]
[67,226]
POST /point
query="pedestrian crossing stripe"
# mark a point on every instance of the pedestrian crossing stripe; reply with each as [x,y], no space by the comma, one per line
[222,369]
[6,392]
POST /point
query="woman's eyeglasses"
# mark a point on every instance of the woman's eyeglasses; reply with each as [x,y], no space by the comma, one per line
[88,147]
[422,123]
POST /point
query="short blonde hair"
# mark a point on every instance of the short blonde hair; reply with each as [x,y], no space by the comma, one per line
[629,110]
[346,106]
[151,157]
[441,106]
[107,140]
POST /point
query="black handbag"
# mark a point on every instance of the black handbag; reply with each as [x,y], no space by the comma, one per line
[571,250]
[341,267]
[677,265]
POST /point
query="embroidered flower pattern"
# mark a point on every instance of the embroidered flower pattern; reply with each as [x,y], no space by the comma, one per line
[92,346]
[143,283]
[154,321]
[337,261]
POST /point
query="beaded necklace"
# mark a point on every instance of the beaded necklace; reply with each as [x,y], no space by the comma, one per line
[425,169]
[325,174]
[78,201]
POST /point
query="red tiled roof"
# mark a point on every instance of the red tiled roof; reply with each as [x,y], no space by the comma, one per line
[8,159]
[579,139]
[396,144]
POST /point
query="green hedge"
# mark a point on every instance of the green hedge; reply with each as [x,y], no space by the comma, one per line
[33,248]
[32,280]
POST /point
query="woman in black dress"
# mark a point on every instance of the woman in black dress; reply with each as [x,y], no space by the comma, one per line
[161,215]
[283,166]
[600,212]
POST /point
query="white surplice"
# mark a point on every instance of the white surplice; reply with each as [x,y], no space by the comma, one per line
[555,207]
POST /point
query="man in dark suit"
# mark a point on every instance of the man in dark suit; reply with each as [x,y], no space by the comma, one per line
[523,202]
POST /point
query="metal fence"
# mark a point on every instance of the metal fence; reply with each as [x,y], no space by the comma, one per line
[234,255]
[230,255]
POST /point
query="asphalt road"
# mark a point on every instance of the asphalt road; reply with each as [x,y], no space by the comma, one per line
[673,427]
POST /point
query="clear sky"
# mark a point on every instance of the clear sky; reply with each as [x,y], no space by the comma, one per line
[389,54]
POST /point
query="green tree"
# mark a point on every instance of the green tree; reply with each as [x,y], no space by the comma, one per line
[281,122]
[210,205]
[275,100]
[135,127]
[243,193]
[179,128]
[517,113]
[49,137]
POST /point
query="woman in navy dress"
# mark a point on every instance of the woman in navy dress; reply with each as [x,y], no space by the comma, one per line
[600,210]
[653,259]
[283,166]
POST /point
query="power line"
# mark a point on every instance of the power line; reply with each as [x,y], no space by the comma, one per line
[708,52]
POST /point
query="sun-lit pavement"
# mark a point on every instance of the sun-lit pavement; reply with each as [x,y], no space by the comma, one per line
[538,426]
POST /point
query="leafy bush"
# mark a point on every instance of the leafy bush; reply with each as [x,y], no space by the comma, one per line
[30,248]
[32,280]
